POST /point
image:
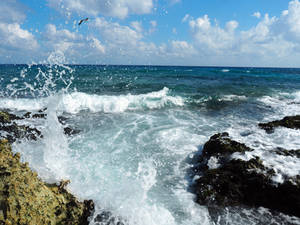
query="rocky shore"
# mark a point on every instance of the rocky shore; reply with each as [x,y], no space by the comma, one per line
[220,179]
[24,198]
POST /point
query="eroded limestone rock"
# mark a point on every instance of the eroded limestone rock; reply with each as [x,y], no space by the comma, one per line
[26,200]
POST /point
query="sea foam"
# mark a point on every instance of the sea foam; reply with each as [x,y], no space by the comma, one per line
[77,101]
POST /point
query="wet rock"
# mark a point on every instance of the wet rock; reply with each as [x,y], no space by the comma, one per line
[288,122]
[25,199]
[236,182]
[221,145]
[284,152]
[6,117]
[70,131]
[106,218]
[15,131]
[35,116]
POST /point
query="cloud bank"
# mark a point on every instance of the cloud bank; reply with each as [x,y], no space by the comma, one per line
[272,41]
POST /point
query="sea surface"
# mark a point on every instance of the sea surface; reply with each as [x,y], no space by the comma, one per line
[141,126]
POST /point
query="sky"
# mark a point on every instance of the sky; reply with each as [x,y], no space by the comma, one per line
[262,33]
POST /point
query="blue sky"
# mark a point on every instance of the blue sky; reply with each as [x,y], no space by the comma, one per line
[159,32]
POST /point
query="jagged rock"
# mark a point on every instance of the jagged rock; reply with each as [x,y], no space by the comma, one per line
[37,115]
[106,218]
[288,122]
[70,131]
[284,152]
[26,200]
[15,132]
[6,117]
[221,145]
[236,182]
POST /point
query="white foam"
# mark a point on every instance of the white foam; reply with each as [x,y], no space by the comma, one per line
[23,103]
[284,104]
[77,101]
[233,97]
[213,163]
[264,145]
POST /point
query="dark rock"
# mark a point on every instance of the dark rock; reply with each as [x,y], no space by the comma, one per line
[236,182]
[221,145]
[284,152]
[43,110]
[6,117]
[16,131]
[106,218]
[62,119]
[35,116]
[103,216]
[70,131]
[288,122]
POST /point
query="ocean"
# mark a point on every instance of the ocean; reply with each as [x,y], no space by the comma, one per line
[140,128]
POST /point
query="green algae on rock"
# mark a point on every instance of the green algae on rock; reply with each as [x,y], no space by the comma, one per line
[6,117]
[26,200]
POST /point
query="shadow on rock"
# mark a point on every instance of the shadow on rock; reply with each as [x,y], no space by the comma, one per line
[220,180]
[292,122]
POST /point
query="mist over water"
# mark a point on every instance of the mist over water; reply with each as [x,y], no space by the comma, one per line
[141,126]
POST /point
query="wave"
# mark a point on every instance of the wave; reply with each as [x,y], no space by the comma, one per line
[78,101]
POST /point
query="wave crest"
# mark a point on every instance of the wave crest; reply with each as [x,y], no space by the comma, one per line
[78,101]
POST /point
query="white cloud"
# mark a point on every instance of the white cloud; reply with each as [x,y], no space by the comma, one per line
[289,22]
[11,11]
[181,49]
[273,41]
[211,37]
[257,15]
[72,44]
[13,37]
[115,8]
[116,34]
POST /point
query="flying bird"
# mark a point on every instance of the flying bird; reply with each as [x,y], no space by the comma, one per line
[83,20]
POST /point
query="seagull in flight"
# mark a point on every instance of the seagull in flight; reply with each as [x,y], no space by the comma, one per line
[83,20]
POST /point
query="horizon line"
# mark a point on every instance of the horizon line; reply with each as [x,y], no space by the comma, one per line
[141,65]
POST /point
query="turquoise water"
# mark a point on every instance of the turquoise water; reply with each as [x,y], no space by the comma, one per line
[140,128]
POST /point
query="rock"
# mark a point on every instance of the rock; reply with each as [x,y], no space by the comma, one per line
[35,116]
[70,131]
[236,182]
[16,131]
[288,122]
[25,199]
[106,218]
[284,152]
[6,117]
[221,145]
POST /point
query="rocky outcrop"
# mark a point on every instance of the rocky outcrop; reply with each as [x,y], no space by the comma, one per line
[26,200]
[236,182]
[15,131]
[288,122]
